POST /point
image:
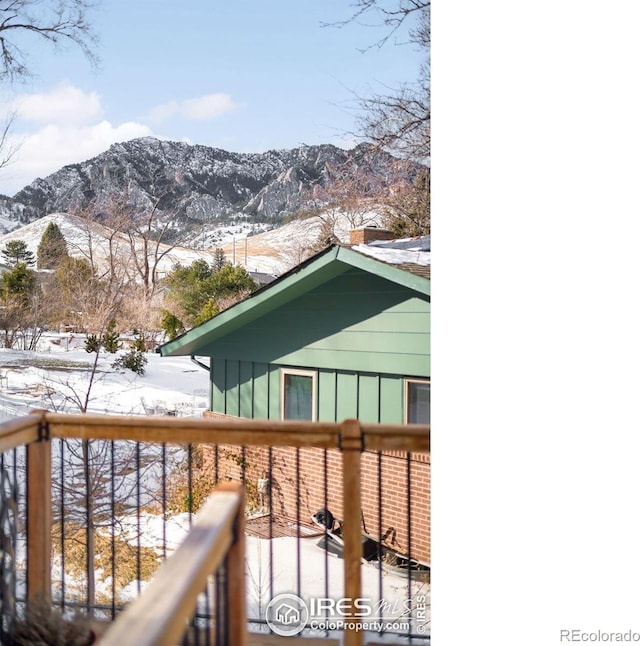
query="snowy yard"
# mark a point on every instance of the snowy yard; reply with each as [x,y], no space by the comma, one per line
[47,378]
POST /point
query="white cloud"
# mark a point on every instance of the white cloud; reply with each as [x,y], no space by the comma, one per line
[70,128]
[50,148]
[64,105]
[201,108]
[207,107]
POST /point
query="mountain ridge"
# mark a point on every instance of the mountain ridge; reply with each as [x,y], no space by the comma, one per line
[192,186]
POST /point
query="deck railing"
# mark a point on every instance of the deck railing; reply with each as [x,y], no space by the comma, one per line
[160,615]
[350,439]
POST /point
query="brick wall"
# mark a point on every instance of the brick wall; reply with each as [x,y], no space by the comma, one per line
[304,471]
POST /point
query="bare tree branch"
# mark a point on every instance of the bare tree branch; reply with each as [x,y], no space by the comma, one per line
[390,16]
[55,21]
[8,149]
[398,119]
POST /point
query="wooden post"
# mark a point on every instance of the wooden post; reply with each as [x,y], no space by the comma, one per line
[235,603]
[39,513]
[158,617]
[351,445]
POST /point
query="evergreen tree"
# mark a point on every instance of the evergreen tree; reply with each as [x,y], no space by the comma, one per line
[209,310]
[139,342]
[197,289]
[111,338]
[92,343]
[52,248]
[171,325]
[219,259]
[229,280]
[135,359]
[20,283]
[16,251]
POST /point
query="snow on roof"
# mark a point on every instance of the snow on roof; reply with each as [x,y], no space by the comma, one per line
[399,252]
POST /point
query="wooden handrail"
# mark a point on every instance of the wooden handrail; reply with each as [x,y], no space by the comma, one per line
[18,432]
[393,437]
[250,432]
[158,616]
[194,431]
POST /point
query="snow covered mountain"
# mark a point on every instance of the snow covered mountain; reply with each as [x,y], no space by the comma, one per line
[195,187]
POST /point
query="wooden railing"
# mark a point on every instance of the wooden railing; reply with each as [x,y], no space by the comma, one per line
[351,437]
[158,617]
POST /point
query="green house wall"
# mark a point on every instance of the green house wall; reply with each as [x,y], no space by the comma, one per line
[362,334]
[355,322]
[252,390]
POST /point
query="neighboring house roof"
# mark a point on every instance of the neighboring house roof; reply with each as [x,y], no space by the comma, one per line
[315,271]
[411,254]
[260,278]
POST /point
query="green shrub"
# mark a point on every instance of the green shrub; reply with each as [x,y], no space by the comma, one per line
[111,339]
[92,343]
[133,360]
[139,342]
[171,325]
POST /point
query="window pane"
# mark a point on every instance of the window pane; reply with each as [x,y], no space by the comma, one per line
[419,403]
[298,397]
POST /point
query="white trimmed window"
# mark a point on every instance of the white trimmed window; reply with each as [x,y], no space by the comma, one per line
[298,394]
[417,401]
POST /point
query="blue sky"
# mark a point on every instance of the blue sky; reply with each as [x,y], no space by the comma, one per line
[246,76]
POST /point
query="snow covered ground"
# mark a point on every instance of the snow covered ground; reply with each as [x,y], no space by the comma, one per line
[44,379]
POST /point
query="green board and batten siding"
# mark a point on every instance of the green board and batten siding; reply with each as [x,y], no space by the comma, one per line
[361,325]
[339,394]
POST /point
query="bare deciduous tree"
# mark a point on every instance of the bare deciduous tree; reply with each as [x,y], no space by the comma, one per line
[23,22]
[57,22]
[352,192]
[147,242]
[8,148]
[408,209]
[392,16]
[399,119]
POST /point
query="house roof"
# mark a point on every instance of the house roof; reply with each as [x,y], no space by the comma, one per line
[315,271]
[410,254]
[261,278]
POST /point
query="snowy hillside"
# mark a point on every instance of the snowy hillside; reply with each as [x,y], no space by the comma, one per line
[278,250]
[271,252]
[80,235]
